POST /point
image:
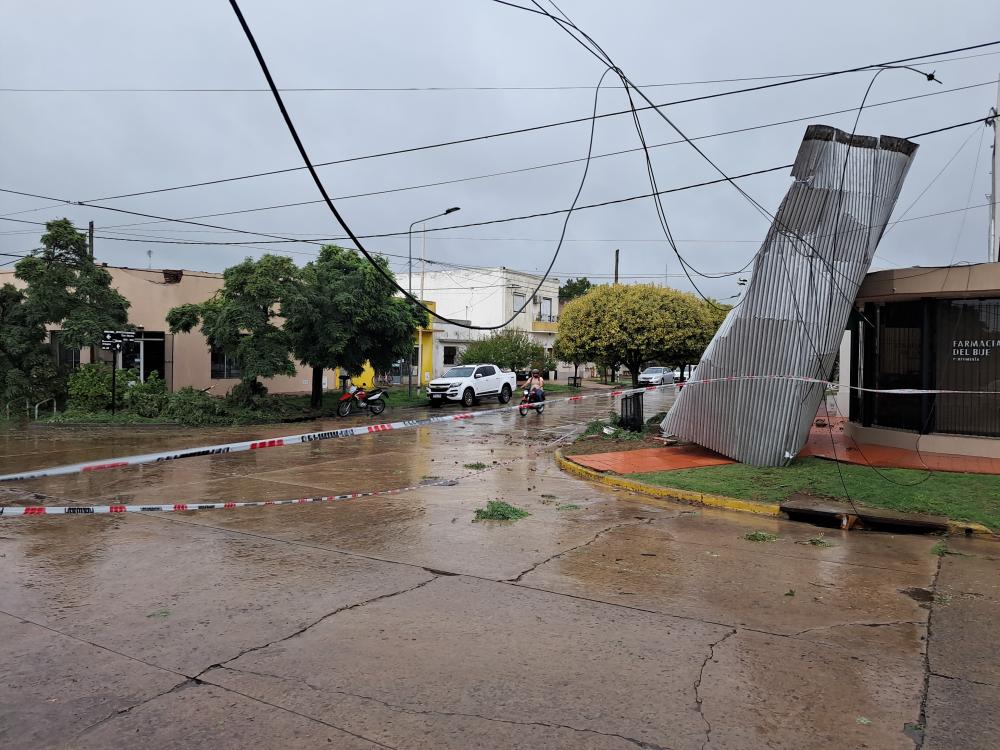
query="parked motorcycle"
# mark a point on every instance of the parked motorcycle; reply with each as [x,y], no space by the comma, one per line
[356,398]
[529,401]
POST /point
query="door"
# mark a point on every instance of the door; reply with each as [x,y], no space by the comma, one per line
[146,355]
[485,380]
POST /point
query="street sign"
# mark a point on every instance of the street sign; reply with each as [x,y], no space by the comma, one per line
[113,340]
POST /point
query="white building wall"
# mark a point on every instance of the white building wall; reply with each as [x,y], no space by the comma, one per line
[486,297]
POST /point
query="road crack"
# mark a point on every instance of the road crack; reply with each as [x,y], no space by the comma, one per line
[183,684]
[920,728]
[435,712]
[857,624]
[557,555]
[316,622]
[697,685]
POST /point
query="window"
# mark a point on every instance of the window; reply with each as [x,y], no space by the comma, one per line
[67,357]
[458,372]
[450,354]
[224,365]
[518,301]
[486,371]
[546,311]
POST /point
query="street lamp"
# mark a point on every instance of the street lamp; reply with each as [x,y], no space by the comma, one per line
[409,287]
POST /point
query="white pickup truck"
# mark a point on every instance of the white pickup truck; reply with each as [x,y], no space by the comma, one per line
[469,383]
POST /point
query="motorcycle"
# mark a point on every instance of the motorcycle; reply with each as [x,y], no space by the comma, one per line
[528,401]
[355,398]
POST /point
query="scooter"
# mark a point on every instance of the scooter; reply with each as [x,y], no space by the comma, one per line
[356,398]
[528,401]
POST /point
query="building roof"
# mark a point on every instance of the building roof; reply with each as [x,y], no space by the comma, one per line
[966,280]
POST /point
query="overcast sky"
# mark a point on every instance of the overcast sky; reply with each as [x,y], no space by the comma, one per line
[87,145]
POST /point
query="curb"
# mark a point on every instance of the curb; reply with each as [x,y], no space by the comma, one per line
[697,498]
[959,528]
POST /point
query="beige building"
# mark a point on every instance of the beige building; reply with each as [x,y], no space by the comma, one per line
[182,359]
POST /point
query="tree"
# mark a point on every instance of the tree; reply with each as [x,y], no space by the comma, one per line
[346,314]
[66,288]
[512,349]
[574,288]
[239,320]
[634,324]
[27,368]
[715,312]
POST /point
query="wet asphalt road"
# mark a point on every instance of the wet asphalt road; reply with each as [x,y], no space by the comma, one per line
[397,622]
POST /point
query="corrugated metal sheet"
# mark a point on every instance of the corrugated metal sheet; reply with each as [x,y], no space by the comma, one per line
[791,321]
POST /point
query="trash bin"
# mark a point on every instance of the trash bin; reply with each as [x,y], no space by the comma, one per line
[632,413]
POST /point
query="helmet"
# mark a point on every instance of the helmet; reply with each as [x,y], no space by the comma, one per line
[535,371]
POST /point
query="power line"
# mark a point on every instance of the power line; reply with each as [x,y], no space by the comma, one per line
[318,242]
[565,162]
[402,89]
[357,242]
[535,128]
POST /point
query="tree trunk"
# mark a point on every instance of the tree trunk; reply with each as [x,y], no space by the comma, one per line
[633,368]
[316,399]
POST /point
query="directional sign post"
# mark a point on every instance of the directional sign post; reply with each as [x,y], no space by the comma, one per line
[113,341]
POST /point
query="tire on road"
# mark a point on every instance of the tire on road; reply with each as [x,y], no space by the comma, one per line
[505,394]
[377,406]
[344,407]
[468,398]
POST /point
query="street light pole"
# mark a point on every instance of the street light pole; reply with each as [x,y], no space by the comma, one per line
[409,289]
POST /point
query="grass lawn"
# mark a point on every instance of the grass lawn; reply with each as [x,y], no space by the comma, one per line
[965,497]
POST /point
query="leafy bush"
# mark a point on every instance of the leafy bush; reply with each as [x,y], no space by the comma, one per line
[90,387]
[193,407]
[514,350]
[247,393]
[147,399]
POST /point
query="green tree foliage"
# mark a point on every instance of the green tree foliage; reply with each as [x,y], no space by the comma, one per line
[574,288]
[346,314]
[634,324]
[27,368]
[515,350]
[240,319]
[66,289]
[90,388]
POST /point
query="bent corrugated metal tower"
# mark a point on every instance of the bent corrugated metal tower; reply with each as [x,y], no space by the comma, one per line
[791,321]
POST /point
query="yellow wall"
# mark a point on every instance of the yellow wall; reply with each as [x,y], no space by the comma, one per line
[422,337]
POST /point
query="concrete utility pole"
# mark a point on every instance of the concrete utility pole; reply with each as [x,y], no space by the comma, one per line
[616,265]
[90,240]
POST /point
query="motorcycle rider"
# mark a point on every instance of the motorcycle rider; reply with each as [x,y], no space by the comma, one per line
[536,386]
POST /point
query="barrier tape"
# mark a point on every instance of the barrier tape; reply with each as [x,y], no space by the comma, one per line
[13,511]
[309,437]
[66,510]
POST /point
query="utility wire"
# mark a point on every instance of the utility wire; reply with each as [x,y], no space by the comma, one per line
[357,242]
[564,162]
[535,128]
[401,89]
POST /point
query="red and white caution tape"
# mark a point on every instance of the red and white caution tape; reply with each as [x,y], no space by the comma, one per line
[65,510]
[87,510]
[309,437]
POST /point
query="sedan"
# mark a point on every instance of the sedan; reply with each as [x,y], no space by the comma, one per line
[656,376]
